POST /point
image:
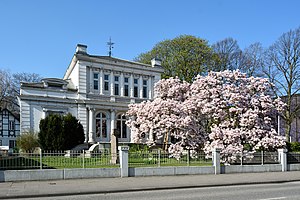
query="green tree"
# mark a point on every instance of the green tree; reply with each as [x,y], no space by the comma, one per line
[185,56]
[27,141]
[60,132]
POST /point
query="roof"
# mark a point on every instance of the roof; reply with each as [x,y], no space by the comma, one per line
[17,116]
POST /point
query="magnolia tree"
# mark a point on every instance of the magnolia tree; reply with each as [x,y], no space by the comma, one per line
[239,111]
[152,120]
[223,109]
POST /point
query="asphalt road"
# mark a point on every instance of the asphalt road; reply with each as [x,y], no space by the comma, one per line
[286,191]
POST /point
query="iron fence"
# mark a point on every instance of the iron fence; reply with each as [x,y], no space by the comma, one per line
[58,160]
[158,158]
[293,157]
[257,158]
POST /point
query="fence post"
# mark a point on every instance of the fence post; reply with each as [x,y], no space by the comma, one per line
[188,158]
[242,158]
[83,157]
[41,159]
[123,152]
[283,159]
[158,159]
[262,157]
[216,160]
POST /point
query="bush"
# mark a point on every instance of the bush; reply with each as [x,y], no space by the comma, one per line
[293,146]
[27,141]
[60,132]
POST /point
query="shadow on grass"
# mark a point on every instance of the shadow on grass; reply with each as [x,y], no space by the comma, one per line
[20,163]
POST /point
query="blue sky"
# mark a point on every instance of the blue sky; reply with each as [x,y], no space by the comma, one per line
[40,36]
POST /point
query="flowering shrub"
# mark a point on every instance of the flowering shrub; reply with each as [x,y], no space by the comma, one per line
[223,109]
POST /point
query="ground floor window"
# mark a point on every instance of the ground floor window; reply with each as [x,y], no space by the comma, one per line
[12,144]
[121,126]
[101,125]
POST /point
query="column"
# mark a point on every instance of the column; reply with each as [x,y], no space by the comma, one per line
[101,81]
[123,153]
[216,160]
[121,83]
[112,93]
[150,87]
[131,85]
[91,125]
[141,86]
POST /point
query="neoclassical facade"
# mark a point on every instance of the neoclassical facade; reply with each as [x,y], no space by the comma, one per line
[96,90]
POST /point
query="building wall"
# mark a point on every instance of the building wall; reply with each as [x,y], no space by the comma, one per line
[9,128]
[86,97]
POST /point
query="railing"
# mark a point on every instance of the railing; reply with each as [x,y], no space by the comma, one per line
[293,157]
[57,160]
[158,158]
[263,157]
[104,159]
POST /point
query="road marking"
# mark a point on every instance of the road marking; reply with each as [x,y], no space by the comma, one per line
[276,198]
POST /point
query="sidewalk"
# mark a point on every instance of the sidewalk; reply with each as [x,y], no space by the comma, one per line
[9,190]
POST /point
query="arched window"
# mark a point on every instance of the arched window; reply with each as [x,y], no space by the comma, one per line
[101,129]
[121,125]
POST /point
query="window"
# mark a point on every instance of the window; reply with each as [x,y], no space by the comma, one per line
[121,126]
[135,88]
[145,88]
[106,82]
[116,85]
[12,143]
[11,125]
[101,129]
[0,142]
[96,81]
[126,87]
[0,124]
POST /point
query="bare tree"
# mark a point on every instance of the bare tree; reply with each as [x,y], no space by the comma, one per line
[252,60]
[10,88]
[229,54]
[283,69]
[6,89]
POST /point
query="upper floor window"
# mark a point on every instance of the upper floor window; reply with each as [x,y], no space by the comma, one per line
[116,85]
[135,88]
[106,82]
[96,81]
[145,88]
[126,87]
[11,125]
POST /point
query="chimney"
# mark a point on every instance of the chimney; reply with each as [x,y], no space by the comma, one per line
[81,49]
[155,62]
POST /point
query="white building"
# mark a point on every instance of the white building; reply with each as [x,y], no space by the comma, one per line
[96,90]
[9,128]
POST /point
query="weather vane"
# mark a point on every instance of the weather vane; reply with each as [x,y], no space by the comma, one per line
[110,45]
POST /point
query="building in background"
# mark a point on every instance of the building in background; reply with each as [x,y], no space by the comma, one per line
[9,128]
[94,89]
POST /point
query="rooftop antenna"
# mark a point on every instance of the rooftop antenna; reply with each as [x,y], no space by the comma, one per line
[110,45]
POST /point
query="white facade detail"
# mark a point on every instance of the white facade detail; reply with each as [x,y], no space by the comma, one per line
[94,89]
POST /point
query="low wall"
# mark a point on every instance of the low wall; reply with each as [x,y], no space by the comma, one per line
[293,167]
[250,168]
[56,174]
[169,171]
